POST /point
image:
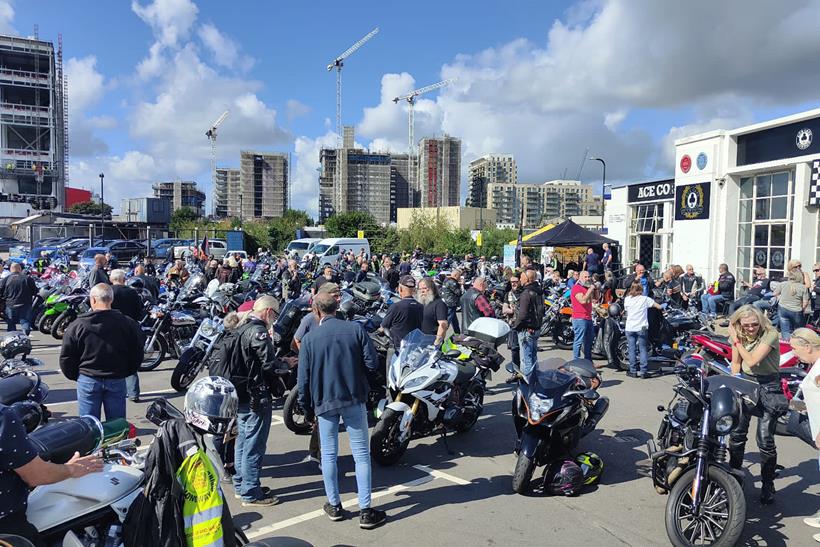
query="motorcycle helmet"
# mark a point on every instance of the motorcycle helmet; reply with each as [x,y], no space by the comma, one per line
[564,478]
[14,343]
[211,405]
[136,283]
[30,414]
[615,310]
[591,466]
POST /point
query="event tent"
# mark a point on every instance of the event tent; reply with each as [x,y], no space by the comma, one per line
[536,233]
[568,234]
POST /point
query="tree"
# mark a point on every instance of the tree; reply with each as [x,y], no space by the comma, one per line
[89,208]
[349,224]
[282,230]
[182,216]
[494,239]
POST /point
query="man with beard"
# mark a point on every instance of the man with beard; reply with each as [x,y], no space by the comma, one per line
[326,277]
[434,316]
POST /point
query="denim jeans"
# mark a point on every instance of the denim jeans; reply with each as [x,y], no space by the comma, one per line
[709,302]
[528,348]
[253,429]
[584,334]
[132,386]
[789,320]
[742,301]
[641,338]
[355,418]
[95,394]
[452,317]
[19,314]
[512,343]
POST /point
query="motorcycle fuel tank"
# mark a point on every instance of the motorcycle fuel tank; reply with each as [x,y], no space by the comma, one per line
[55,504]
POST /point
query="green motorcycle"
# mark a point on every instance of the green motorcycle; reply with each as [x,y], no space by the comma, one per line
[54,307]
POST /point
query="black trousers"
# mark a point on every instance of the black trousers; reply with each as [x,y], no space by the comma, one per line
[18,525]
[766,425]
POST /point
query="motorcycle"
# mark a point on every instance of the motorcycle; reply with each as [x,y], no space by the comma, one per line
[24,390]
[76,303]
[553,408]
[195,357]
[432,391]
[168,331]
[706,505]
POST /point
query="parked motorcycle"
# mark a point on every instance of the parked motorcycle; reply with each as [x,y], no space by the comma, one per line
[553,408]
[168,330]
[432,391]
[26,391]
[195,357]
[77,303]
[706,505]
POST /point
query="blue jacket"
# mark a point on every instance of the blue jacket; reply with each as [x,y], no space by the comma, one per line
[332,361]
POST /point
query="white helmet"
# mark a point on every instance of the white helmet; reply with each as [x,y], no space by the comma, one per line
[211,404]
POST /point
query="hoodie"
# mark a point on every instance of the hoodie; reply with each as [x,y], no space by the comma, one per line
[102,344]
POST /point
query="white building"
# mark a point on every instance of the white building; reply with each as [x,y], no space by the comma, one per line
[744,196]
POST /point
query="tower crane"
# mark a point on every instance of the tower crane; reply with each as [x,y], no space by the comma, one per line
[211,134]
[411,100]
[338,63]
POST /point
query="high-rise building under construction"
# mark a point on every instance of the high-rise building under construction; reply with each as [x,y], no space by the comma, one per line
[263,186]
[439,176]
[227,184]
[33,126]
[489,169]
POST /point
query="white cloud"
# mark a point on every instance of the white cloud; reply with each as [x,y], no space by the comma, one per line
[129,175]
[87,85]
[171,20]
[7,18]
[225,51]
[305,173]
[295,109]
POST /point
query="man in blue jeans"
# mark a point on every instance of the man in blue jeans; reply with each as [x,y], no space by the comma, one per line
[582,295]
[100,349]
[725,292]
[332,383]
[528,319]
[18,291]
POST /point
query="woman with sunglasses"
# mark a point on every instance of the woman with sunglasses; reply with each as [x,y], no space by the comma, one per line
[805,344]
[756,356]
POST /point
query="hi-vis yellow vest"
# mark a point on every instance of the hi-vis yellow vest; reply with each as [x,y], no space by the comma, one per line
[202,505]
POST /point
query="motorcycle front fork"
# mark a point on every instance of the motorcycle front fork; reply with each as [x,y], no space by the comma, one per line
[702,468]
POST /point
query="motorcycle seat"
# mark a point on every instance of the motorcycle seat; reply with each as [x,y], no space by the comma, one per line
[465,372]
[719,338]
[15,388]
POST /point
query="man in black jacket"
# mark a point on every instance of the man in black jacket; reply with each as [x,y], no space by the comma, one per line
[528,319]
[149,281]
[390,274]
[332,382]
[98,274]
[129,303]
[725,292]
[404,316]
[451,293]
[643,277]
[18,290]
[100,350]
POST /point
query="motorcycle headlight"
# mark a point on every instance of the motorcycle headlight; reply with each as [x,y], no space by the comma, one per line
[538,406]
[208,328]
[725,424]
[416,382]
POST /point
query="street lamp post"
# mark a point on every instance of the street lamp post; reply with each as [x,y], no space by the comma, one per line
[102,206]
[603,191]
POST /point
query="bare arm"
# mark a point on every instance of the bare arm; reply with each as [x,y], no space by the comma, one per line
[750,357]
[586,297]
[38,471]
[442,330]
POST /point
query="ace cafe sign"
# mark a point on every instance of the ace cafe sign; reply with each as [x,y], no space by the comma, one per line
[651,191]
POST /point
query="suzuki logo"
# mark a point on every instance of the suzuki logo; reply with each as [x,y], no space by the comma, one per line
[115,481]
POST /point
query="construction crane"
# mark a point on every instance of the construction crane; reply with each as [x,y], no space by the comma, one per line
[211,134]
[338,63]
[411,100]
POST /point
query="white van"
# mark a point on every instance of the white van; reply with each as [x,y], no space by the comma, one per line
[298,247]
[329,250]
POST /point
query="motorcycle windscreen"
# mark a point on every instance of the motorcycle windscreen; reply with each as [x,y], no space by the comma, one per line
[551,383]
[416,350]
[745,388]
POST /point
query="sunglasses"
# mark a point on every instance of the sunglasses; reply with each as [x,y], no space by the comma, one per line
[750,325]
[816,270]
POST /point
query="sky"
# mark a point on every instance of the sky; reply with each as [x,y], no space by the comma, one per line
[542,80]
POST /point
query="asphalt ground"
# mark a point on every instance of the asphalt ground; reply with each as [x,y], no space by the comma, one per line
[459,493]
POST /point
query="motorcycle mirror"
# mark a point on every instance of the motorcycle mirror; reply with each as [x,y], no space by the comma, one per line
[661,408]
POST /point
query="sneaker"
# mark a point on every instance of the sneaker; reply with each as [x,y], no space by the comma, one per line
[814,521]
[816,537]
[371,518]
[641,375]
[632,374]
[334,512]
[266,493]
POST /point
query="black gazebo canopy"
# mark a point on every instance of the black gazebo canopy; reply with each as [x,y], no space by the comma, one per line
[568,234]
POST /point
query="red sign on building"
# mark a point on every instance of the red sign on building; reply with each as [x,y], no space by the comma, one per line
[76,195]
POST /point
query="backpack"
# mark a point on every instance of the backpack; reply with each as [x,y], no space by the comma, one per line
[226,360]
[537,298]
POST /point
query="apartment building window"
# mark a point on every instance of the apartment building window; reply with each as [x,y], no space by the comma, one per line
[765,216]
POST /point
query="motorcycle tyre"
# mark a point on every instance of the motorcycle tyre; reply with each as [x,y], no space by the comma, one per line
[162,350]
[522,476]
[559,336]
[736,500]
[45,323]
[623,354]
[290,409]
[190,364]
[467,426]
[61,323]
[380,434]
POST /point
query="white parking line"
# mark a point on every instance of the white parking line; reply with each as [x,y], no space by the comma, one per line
[429,475]
[46,350]
[160,392]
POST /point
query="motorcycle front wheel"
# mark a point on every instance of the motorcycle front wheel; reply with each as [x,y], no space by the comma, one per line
[522,476]
[188,368]
[62,323]
[45,322]
[623,354]
[385,446]
[723,511]
[563,335]
[294,414]
[152,356]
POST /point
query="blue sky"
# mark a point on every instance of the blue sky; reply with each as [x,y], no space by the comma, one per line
[541,80]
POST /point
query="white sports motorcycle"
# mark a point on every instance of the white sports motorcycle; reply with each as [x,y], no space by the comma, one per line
[434,390]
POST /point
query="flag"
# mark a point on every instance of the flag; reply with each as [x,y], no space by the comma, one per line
[520,243]
[205,246]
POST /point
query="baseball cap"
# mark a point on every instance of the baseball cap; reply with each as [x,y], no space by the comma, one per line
[408,281]
[328,288]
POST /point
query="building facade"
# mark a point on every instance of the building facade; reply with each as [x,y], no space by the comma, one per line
[263,186]
[489,169]
[33,130]
[226,184]
[403,169]
[155,211]
[461,218]
[540,202]
[746,197]
[181,193]
[439,175]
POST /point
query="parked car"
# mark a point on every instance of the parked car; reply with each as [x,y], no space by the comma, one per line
[160,247]
[216,247]
[125,250]
[6,243]
[86,261]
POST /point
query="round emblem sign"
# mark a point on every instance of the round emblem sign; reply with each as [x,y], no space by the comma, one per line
[803,139]
[777,259]
[702,159]
[760,257]
[685,163]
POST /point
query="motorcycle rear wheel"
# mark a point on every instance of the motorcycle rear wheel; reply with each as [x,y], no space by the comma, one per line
[522,476]
[623,354]
[190,364]
[153,356]
[722,497]
[384,442]
[294,415]
[45,323]
[61,323]
[473,398]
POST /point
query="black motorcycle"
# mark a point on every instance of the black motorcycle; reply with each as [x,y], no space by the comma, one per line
[168,329]
[553,408]
[706,505]
[24,391]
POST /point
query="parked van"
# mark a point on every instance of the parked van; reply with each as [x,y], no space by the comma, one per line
[298,247]
[329,250]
